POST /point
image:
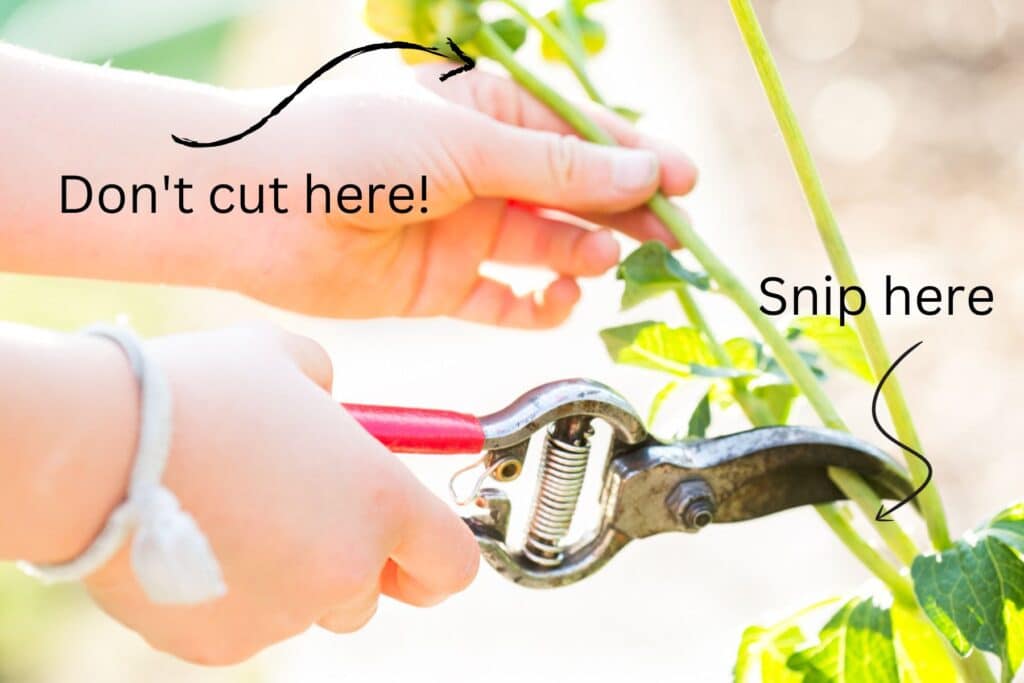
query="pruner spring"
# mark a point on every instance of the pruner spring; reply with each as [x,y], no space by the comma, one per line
[648,487]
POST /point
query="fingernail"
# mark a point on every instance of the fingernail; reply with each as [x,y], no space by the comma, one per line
[634,169]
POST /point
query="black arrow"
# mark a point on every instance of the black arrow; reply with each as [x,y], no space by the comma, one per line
[467,64]
[883,514]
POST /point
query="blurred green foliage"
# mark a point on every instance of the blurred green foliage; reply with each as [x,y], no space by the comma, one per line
[30,619]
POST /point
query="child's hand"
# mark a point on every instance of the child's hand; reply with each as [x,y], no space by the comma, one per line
[493,144]
[310,517]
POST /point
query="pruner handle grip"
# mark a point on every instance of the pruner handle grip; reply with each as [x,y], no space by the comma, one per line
[420,430]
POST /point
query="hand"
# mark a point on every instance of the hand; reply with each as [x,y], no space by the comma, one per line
[310,517]
[490,144]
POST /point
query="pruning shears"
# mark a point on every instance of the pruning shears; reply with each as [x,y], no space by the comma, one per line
[649,486]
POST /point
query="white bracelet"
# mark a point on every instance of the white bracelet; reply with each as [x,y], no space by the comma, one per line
[172,559]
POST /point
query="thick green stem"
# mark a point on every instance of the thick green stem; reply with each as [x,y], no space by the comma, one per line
[839,255]
[673,219]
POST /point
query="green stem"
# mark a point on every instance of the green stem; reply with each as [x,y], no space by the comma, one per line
[569,52]
[839,255]
[901,588]
[975,668]
[673,219]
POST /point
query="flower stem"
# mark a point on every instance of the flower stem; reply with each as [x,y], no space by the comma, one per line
[673,219]
[839,255]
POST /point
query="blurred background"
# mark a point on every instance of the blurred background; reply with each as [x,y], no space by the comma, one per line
[913,111]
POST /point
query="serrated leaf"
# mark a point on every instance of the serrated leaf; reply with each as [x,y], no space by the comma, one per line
[679,351]
[839,343]
[855,646]
[700,419]
[511,30]
[974,592]
[651,270]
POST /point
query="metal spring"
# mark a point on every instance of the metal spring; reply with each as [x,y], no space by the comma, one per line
[564,464]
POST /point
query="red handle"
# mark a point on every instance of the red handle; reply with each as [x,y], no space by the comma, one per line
[420,430]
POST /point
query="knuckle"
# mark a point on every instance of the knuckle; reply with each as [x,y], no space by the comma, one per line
[342,578]
[499,100]
[350,621]
[564,159]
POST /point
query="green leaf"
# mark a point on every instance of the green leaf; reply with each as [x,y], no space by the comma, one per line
[763,654]
[744,354]
[511,30]
[679,351]
[652,270]
[777,398]
[659,400]
[839,343]
[592,32]
[974,592]
[700,420]
[856,645]
[428,22]
[920,651]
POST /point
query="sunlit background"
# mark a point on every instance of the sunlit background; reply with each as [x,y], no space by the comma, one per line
[914,110]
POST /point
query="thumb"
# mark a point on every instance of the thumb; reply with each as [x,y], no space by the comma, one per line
[557,171]
[310,357]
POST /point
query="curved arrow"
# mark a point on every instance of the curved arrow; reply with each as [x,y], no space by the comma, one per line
[882,514]
[467,64]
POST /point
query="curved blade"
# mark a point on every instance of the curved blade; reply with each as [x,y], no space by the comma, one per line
[752,474]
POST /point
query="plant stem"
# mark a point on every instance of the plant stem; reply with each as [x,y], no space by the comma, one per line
[901,588]
[975,668]
[839,255]
[570,53]
[673,219]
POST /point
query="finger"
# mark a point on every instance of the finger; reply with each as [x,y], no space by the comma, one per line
[493,303]
[350,617]
[640,224]
[527,238]
[508,102]
[436,554]
[401,586]
[312,359]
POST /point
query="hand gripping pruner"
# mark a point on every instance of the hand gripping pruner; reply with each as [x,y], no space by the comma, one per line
[649,487]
